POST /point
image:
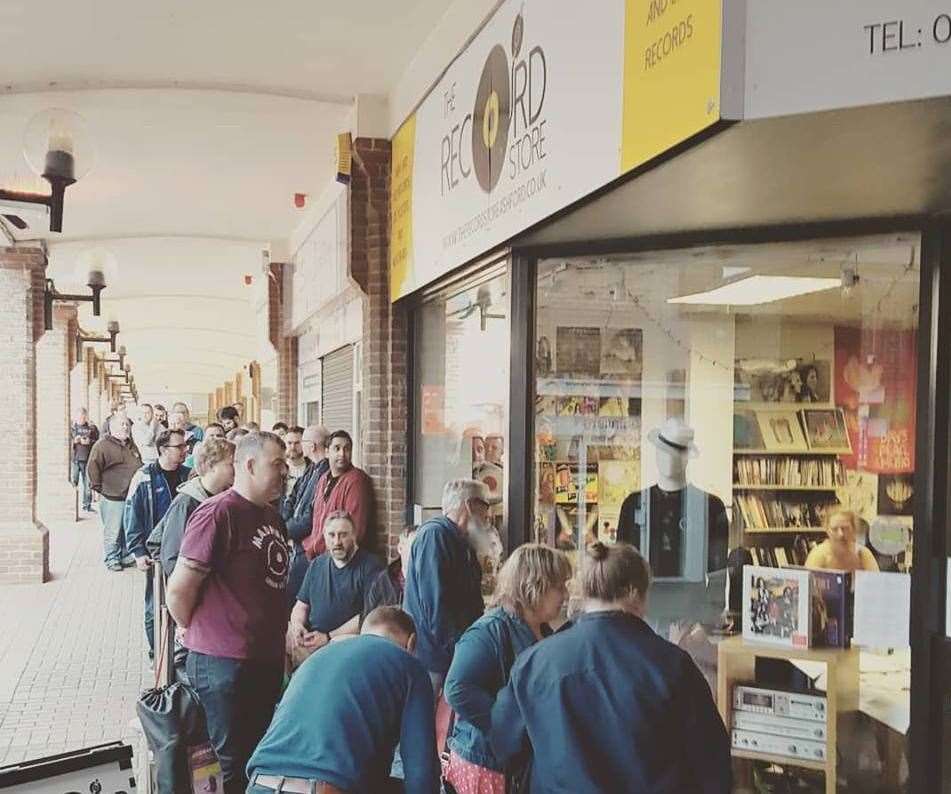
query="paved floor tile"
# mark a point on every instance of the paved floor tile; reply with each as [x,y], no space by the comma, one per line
[72,652]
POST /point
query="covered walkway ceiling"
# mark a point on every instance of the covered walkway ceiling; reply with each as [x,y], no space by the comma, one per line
[207,118]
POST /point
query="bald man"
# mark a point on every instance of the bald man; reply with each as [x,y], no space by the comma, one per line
[297,508]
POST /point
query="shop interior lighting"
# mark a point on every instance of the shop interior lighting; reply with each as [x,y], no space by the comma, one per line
[756,290]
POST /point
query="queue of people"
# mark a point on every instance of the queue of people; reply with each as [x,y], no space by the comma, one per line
[268,579]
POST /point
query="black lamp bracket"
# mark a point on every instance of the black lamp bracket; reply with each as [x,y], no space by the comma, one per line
[50,294]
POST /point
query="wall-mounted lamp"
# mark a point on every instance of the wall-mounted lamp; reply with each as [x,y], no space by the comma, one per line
[112,329]
[57,147]
[96,283]
[120,360]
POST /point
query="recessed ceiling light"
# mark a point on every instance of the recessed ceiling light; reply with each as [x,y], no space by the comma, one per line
[759,289]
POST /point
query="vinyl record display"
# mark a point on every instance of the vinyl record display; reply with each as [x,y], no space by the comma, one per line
[490,119]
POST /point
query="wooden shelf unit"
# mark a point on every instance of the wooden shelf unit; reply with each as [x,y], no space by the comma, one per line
[760,487]
[736,664]
[785,531]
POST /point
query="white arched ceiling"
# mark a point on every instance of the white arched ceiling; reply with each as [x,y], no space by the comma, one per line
[207,118]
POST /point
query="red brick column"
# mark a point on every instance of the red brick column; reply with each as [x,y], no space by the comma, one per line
[384,421]
[24,543]
[286,346]
[55,497]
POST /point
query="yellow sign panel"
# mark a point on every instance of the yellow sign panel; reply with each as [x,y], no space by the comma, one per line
[671,74]
[401,208]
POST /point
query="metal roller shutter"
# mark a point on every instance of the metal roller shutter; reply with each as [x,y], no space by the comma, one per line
[337,390]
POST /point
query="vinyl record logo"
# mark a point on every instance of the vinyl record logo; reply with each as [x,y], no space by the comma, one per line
[490,119]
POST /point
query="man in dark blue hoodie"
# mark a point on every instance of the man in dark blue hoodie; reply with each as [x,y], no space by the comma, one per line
[444,580]
[150,493]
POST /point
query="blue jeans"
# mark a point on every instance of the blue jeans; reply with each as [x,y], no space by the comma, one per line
[81,481]
[149,610]
[238,697]
[113,534]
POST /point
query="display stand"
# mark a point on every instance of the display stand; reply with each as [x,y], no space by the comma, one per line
[736,665]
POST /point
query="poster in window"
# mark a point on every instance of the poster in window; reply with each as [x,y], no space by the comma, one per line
[875,385]
[895,494]
[622,354]
[433,399]
[783,381]
[616,479]
[578,352]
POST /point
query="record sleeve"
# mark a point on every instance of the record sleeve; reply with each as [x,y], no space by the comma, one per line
[776,606]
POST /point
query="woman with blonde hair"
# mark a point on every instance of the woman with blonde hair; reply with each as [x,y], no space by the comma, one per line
[530,591]
[607,705]
[840,550]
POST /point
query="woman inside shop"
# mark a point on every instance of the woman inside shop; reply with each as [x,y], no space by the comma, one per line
[530,592]
[607,705]
[840,551]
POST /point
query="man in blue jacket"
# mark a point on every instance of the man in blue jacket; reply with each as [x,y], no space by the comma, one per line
[297,508]
[444,581]
[150,493]
[347,706]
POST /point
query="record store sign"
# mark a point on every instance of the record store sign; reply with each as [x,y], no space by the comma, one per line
[532,115]
[524,122]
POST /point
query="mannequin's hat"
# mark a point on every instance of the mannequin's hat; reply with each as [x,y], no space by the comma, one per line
[674,436]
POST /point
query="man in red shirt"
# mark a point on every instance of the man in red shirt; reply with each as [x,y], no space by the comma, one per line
[227,591]
[343,487]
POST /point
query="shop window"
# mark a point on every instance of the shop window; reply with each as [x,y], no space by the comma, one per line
[461,356]
[748,404]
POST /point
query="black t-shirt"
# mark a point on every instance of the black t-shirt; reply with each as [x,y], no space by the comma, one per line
[85,430]
[334,594]
[670,525]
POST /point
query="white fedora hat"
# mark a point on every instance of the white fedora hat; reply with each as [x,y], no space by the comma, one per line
[674,436]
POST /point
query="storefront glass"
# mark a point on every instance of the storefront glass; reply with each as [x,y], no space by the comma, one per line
[722,406]
[461,356]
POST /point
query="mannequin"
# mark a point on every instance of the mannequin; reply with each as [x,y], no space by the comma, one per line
[682,530]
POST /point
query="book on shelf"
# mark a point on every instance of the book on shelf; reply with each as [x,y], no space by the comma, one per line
[793,471]
[787,554]
[760,512]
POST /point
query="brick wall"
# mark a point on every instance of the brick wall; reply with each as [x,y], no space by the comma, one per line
[286,346]
[55,497]
[384,420]
[24,544]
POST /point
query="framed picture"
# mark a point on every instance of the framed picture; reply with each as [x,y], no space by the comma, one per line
[895,492]
[746,432]
[825,430]
[781,431]
[776,608]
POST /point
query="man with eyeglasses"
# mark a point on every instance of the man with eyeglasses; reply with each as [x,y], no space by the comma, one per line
[150,493]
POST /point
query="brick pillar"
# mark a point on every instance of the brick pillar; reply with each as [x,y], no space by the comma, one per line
[384,421]
[24,543]
[55,497]
[286,346]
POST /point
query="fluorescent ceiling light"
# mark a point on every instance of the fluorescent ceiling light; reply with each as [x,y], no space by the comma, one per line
[759,289]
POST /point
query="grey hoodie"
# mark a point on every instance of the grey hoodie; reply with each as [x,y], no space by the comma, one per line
[166,539]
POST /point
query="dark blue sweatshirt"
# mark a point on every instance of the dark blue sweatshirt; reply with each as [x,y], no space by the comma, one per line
[443,591]
[608,706]
[344,712]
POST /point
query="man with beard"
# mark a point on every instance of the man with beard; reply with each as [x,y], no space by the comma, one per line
[343,487]
[331,598]
[444,579]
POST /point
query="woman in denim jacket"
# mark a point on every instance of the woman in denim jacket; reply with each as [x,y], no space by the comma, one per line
[530,592]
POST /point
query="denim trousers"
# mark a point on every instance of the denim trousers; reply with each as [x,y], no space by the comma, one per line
[238,697]
[113,534]
[149,610]
[81,481]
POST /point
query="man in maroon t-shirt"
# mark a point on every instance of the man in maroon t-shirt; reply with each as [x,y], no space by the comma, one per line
[228,592]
